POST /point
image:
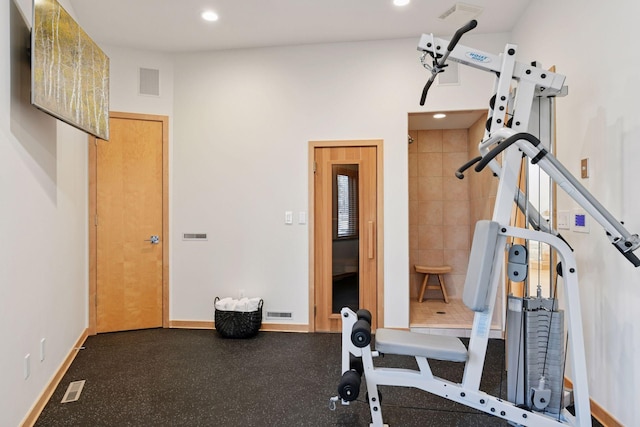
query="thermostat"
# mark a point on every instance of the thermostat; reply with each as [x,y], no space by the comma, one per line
[579,221]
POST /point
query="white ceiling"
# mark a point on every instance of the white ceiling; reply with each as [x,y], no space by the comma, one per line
[176,26]
[454,120]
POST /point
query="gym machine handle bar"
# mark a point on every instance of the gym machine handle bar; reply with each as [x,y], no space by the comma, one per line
[461,169]
[625,249]
[439,65]
[484,161]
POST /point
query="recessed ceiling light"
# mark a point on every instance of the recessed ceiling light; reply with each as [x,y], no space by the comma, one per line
[439,116]
[401,2]
[209,15]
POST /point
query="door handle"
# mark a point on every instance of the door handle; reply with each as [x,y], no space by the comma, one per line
[154,240]
[370,251]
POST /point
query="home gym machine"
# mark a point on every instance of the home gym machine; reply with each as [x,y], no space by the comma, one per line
[536,343]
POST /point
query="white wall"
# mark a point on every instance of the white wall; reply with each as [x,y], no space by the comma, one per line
[124,71]
[591,42]
[242,123]
[43,228]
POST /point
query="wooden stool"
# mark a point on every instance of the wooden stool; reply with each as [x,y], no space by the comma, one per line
[433,270]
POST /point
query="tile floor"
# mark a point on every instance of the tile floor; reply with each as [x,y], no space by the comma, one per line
[438,314]
[434,316]
[438,317]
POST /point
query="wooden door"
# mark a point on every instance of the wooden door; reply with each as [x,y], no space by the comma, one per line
[331,270]
[129,208]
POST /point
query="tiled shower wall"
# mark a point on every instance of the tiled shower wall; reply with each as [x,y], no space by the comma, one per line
[483,186]
[439,209]
[443,209]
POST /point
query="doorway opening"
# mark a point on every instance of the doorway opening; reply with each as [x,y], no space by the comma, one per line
[443,211]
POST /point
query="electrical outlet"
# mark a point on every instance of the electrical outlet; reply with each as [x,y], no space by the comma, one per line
[27,366]
[584,168]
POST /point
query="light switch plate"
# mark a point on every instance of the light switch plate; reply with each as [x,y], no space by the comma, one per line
[288,217]
[564,218]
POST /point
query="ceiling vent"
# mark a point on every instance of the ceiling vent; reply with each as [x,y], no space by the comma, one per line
[461,13]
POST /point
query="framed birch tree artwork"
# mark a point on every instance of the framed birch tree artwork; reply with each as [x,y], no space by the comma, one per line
[69,72]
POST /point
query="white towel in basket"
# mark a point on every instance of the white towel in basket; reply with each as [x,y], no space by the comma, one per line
[244,304]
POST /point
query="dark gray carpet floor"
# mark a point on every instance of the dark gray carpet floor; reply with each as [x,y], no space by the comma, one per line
[175,377]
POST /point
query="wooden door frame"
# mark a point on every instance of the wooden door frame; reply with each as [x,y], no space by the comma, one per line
[378,143]
[93,253]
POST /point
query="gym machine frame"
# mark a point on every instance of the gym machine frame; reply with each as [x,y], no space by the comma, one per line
[486,263]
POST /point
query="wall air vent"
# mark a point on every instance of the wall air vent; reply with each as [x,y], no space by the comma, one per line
[194,236]
[149,82]
[279,315]
[450,76]
[461,13]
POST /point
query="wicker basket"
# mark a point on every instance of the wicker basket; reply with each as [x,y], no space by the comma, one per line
[238,324]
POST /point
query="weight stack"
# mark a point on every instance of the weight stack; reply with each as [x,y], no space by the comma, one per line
[534,330]
[544,354]
[515,350]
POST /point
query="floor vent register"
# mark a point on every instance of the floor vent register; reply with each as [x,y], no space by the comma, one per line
[73,391]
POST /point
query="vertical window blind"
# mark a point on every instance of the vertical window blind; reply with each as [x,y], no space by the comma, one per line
[346,196]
